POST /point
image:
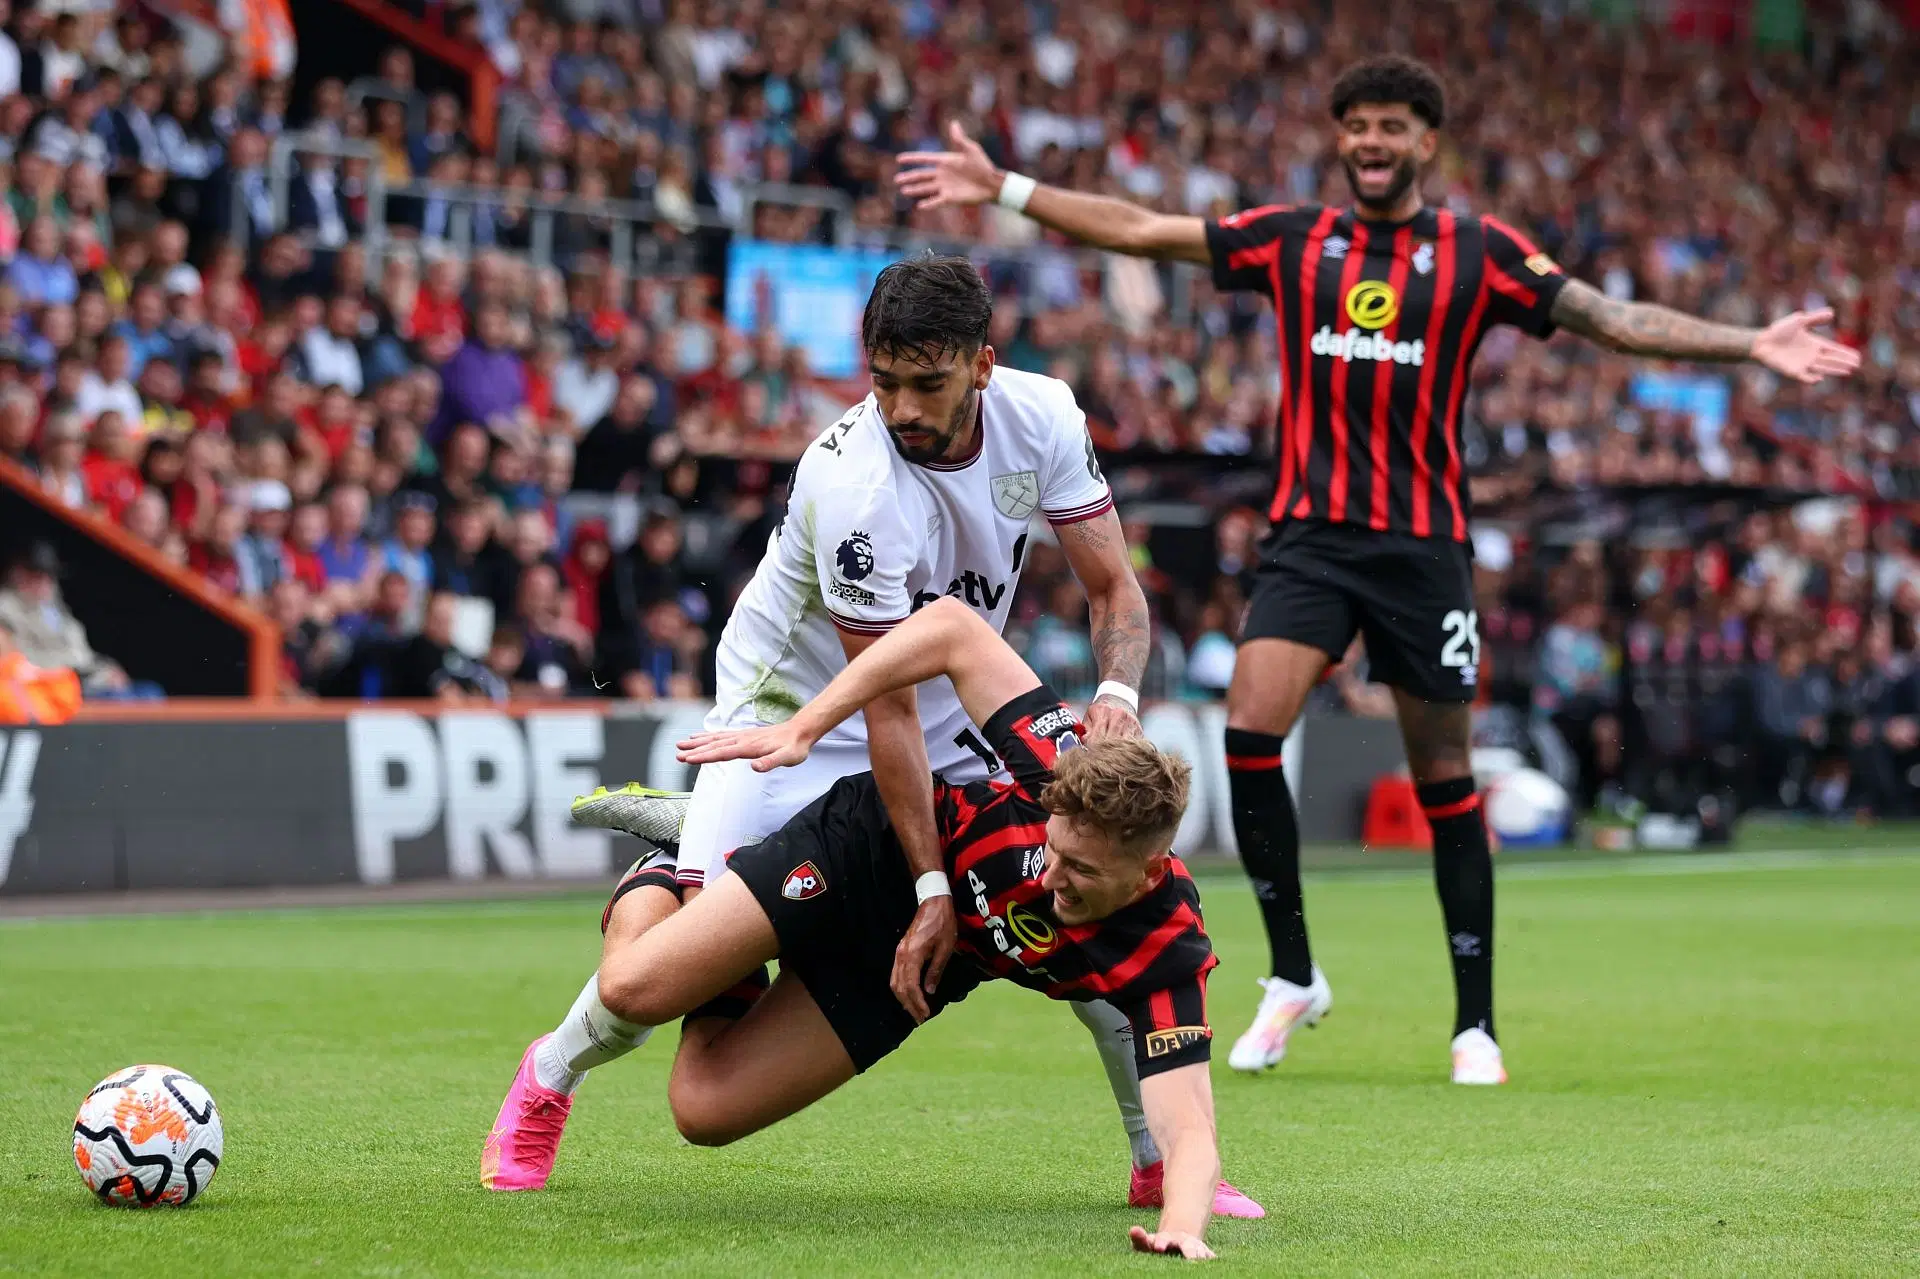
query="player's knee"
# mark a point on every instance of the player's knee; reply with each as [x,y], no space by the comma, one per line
[632,994]
[700,1113]
[1249,714]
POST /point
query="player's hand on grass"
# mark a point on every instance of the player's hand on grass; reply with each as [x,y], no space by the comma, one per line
[1111,717]
[1790,347]
[961,176]
[775,746]
[1171,1243]
[922,955]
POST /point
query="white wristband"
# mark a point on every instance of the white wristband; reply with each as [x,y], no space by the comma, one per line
[1015,190]
[931,885]
[1119,692]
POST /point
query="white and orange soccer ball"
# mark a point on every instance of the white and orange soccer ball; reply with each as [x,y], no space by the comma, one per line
[147,1135]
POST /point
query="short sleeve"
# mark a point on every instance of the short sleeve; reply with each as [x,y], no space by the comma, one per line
[1030,732]
[1245,245]
[1072,489]
[1170,1027]
[1522,282]
[861,554]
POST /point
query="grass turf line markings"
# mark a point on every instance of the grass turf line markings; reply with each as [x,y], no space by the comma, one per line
[1711,1077]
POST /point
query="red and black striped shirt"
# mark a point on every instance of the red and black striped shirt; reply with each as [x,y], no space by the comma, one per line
[1377,325]
[1149,959]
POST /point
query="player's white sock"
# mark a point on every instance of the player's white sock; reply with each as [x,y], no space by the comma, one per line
[589,1036]
[1113,1036]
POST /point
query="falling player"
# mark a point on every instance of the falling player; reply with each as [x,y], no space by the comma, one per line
[1067,886]
[923,490]
[1379,307]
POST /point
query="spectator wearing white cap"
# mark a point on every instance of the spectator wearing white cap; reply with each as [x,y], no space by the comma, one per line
[263,550]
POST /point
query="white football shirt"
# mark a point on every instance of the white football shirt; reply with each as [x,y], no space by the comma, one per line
[870,537]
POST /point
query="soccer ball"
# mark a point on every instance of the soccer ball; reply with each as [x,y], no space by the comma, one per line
[1528,809]
[147,1135]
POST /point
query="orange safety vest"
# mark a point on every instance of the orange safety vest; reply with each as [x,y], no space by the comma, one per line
[32,695]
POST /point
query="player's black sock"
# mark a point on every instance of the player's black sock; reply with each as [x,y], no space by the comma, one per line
[1463,872]
[1269,837]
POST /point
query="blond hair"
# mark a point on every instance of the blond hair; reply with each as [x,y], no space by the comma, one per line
[1125,787]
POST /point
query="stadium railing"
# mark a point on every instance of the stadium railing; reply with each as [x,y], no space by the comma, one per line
[152,616]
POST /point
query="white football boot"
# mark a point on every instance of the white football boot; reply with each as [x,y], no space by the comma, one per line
[653,815]
[1476,1058]
[1283,1008]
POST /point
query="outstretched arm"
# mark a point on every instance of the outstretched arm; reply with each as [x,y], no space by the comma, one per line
[1789,346]
[966,176]
[1179,1106]
[897,747]
[944,638]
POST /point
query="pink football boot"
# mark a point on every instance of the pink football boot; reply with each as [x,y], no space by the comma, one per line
[525,1140]
[1227,1202]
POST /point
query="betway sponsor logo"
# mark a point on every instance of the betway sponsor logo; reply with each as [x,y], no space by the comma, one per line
[1358,344]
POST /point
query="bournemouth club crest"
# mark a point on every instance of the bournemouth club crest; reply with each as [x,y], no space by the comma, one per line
[803,881]
[1017,495]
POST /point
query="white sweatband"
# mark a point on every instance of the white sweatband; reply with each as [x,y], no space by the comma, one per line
[1015,190]
[931,885]
[1119,692]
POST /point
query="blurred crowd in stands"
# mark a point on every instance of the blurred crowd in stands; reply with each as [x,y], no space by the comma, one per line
[465,475]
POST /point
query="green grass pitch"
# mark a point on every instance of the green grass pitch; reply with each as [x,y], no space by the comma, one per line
[1716,1070]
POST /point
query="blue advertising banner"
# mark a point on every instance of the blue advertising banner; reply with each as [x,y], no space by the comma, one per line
[811,294]
[1704,397]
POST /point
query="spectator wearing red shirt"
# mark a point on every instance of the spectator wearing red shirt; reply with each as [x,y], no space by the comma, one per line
[439,317]
[206,400]
[305,532]
[113,481]
[585,572]
[197,494]
[718,386]
[336,420]
[217,556]
[263,352]
[542,368]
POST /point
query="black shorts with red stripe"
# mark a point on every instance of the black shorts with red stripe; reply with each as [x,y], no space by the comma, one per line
[1320,584]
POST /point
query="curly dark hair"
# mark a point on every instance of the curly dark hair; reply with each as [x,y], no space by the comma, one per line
[1387,79]
[925,308]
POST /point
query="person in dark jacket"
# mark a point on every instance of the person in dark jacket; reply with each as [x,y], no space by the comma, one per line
[1884,740]
[1791,700]
[613,457]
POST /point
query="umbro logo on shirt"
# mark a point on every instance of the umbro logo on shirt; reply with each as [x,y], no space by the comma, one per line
[1335,247]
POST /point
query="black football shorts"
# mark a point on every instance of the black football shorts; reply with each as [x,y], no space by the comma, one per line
[1411,598]
[837,890]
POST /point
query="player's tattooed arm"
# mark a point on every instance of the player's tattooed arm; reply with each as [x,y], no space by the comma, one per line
[964,175]
[1643,328]
[1096,549]
[1789,346]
